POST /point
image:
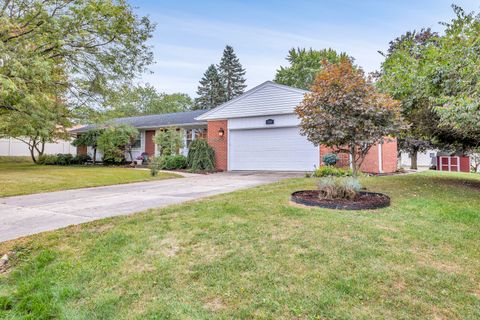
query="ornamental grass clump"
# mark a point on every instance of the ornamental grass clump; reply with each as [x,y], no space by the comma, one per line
[331,188]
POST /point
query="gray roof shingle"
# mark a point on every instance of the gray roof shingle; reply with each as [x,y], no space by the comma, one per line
[154,121]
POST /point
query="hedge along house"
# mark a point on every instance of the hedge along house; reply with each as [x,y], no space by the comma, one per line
[148,126]
[259,130]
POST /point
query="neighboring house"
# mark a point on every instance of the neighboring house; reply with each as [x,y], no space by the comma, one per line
[148,125]
[15,147]
[257,130]
[425,159]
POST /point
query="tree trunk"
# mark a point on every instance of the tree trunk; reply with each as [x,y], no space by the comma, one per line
[32,153]
[353,162]
[413,159]
[94,155]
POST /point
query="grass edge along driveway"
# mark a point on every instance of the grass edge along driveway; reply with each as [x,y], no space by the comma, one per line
[249,254]
[20,178]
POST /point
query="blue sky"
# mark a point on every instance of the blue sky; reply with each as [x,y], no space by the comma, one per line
[191,35]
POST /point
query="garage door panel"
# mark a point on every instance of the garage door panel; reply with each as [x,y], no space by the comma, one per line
[271,149]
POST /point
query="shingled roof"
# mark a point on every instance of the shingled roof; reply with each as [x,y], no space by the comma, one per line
[154,121]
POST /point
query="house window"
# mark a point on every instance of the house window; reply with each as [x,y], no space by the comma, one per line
[138,143]
[201,133]
[189,137]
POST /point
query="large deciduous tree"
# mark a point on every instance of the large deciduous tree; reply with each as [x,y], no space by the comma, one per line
[211,91]
[437,79]
[65,52]
[304,66]
[345,112]
[232,73]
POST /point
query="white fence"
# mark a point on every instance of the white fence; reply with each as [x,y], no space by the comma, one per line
[14,147]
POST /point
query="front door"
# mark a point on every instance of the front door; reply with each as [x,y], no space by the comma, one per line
[149,144]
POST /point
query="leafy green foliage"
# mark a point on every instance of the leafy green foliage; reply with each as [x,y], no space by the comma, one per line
[78,49]
[201,156]
[89,139]
[331,171]
[62,159]
[346,113]
[171,162]
[115,141]
[211,91]
[169,141]
[232,73]
[330,159]
[304,66]
[436,78]
[144,100]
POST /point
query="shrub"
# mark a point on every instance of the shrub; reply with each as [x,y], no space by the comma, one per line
[80,159]
[47,159]
[64,159]
[155,165]
[338,188]
[201,157]
[330,159]
[330,171]
[167,163]
[174,162]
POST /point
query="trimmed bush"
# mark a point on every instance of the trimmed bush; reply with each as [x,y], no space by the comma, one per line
[167,163]
[330,159]
[81,159]
[62,159]
[175,162]
[330,171]
[201,157]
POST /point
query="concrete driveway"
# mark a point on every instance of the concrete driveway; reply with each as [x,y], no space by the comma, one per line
[29,214]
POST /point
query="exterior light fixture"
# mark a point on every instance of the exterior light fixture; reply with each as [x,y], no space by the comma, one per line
[221,132]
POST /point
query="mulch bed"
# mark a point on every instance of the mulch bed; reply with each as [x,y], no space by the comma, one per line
[364,201]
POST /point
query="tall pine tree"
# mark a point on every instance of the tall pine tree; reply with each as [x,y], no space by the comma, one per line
[211,91]
[232,73]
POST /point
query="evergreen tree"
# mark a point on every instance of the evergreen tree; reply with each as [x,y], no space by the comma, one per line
[232,73]
[211,91]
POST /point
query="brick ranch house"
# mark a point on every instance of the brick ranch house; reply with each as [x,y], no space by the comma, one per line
[257,130]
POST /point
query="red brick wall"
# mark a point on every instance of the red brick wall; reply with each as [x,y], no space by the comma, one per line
[389,155]
[370,164]
[219,144]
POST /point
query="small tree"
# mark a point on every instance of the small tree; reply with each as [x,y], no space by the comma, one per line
[89,139]
[115,141]
[346,113]
[169,141]
[201,157]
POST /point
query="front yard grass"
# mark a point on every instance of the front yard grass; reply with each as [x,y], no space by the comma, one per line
[249,254]
[19,176]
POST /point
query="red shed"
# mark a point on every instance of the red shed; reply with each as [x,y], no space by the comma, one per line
[453,163]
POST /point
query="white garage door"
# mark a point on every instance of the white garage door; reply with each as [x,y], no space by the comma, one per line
[282,149]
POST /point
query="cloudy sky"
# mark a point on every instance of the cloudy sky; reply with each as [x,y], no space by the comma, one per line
[191,35]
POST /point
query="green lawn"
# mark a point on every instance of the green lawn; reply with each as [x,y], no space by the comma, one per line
[19,176]
[249,254]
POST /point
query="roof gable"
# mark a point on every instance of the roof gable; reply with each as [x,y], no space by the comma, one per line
[268,98]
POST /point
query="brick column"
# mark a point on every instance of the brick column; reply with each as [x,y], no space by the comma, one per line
[219,144]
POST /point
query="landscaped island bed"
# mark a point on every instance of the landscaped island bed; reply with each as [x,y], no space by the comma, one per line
[250,254]
[23,177]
